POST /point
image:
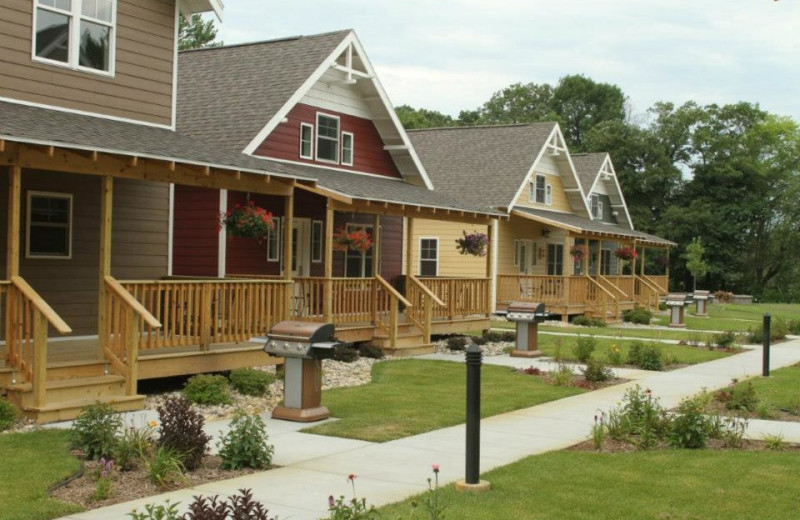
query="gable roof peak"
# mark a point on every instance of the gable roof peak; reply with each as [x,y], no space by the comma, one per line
[271,41]
[548,124]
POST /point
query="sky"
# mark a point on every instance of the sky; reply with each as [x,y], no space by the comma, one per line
[449,55]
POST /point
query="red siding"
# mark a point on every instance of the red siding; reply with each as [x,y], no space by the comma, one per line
[369,155]
[391,244]
[195,237]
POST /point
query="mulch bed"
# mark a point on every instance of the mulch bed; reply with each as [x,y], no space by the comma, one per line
[578,380]
[134,484]
[613,446]
[777,415]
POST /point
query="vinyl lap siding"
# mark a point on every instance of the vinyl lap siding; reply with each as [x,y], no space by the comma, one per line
[451,262]
[195,235]
[142,86]
[559,201]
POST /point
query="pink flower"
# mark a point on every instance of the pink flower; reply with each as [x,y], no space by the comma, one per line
[331,502]
[436,468]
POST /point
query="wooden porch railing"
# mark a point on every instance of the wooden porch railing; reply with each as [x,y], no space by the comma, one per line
[618,285]
[353,300]
[125,318]
[423,300]
[388,294]
[660,281]
[601,300]
[646,293]
[202,312]
[463,297]
[26,323]
[546,289]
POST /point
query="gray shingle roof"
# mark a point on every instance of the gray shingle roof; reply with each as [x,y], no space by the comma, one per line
[226,95]
[587,166]
[482,165]
[586,224]
[40,125]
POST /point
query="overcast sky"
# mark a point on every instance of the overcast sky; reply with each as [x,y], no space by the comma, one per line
[449,55]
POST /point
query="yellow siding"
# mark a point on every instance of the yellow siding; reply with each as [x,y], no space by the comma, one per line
[550,170]
[451,262]
[518,228]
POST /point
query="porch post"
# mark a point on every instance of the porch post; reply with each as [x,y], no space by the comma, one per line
[491,266]
[585,259]
[376,244]
[410,247]
[642,261]
[14,215]
[599,257]
[568,267]
[666,272]
[106,208]
[288,247]
[327,289]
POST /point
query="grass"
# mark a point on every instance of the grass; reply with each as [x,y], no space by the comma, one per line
[711,323]
[674,484]
[31,463]
[643,333]
[398,401]
[781,390]
[754,312]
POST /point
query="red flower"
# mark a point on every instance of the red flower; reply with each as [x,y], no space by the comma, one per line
[436,468]
[351,477]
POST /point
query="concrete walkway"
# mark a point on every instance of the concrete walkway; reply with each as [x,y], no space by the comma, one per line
[315,467]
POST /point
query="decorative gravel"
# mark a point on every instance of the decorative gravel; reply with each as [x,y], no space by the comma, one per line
[490,349]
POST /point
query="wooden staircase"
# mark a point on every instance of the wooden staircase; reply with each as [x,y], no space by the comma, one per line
[410,341]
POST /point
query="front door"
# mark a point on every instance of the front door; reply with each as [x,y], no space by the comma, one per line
[526,256]
[301,248]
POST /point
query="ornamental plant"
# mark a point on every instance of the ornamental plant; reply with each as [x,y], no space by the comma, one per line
[626,253]
[353,509]
[579,251]
[247,221]
[473,244]
[358,240]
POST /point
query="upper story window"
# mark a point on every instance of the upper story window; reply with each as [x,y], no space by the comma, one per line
[347,148]
[327,138]
[538,190]
[306,141]
[76,33]
[596,206]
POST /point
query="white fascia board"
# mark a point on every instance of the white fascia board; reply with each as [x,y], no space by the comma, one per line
[610,165]
[573,171]
[530,171]
[190,7]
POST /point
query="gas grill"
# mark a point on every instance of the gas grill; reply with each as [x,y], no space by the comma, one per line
[677,303]
[303,346]
[527,316]
[701,299]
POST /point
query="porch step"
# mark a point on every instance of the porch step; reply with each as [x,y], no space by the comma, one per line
[68,410]
[410,343]
[69,390]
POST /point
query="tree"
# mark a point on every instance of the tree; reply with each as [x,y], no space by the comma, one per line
[196,33]
[582,103]
[695,262]
[518,103]
[422,118]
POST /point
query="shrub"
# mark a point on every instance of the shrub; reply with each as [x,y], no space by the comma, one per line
[740,397]
[353,509]
[723,296]
[689,429]
[614,355]
[774,442]
[164,467]
[662,306]
[732,433]
[532,371]
[95,431]
[479,340]
[777,331]
[724,339]
[133,445]
[249,381]
[345,354]
[562,376]
[157,512]
[794,327]
[367,350]
[508,336]
[638,315]
[208,389]
[639,419]
[646,356]
[584,348]
[182,431]
[596,371]
[245,445]
[585,321]
[8,415]
[236,507]
[492,336]
[456,343]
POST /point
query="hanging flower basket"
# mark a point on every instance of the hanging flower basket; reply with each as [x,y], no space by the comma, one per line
[358,240]
[626,253]
[579,251]
[474,244]
[247,221]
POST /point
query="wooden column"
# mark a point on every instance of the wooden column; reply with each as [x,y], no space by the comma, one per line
[327,290]
[585,259]
[14,216]
[288,248]
[491,267]
[410,248]
[642,261]
[599,257]
[666,271]
[106,210]
[376,245]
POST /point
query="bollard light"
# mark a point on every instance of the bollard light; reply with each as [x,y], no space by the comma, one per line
[765,340]
[472,482]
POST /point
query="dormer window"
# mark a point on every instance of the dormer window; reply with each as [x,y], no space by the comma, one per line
[76,33]
[327,138]
[538,190]
[596,206]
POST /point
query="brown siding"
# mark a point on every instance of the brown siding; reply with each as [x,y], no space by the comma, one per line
[139,244]
[142,86]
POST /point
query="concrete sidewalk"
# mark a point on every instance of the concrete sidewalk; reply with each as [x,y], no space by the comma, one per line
[315,466]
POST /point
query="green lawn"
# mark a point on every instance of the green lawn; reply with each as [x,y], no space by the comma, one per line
[398,401]
[754,312]
[674,484]
[781,390]
[710,323]
[625,332]
[29,464]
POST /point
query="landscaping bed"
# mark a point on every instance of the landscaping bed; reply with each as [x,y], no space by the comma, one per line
[776,397]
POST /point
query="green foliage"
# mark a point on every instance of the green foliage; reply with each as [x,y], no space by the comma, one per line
[695,262]
[614,355]
[689,428]
[367,350]
[164,467]
[774,442]
[166,511]
[739,396]
[345,354]
[596,371]
[584,347]
[132,445]
[196,33]
[726,339]
[432,502]
[412,118]
[8,414]
[457,343]
[585,321]
[249,381]
[95,431]
[793,326]
[562,376]
[479,340]
[777,332]
[638,315]
[182,431]
[647,356]
[353,509]
[245,444]
[208,389]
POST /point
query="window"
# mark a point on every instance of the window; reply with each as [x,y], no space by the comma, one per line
[49,225]
[555,259]
[516,252]
[347,148]
[605,262]
[76,33]
[428,256]
[537,190]
[357,264]
[596,206]
[306,141]
[327,138]
[316,241]
[548,195]
[274,239]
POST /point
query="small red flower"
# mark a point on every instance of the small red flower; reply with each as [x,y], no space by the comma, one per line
[351,477]
[435,468]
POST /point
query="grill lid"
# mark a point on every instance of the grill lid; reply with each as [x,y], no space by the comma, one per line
[303,331]
[702,295]
[526,307]
[678,299]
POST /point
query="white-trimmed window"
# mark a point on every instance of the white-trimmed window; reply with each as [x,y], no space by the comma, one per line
[79,34]
[48,225]
[274,239]
[555,259]
[429,257]
[537,190]
[316,241]
[347,148]
[597,206]
[548,195]
[306,141]
[327,138]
